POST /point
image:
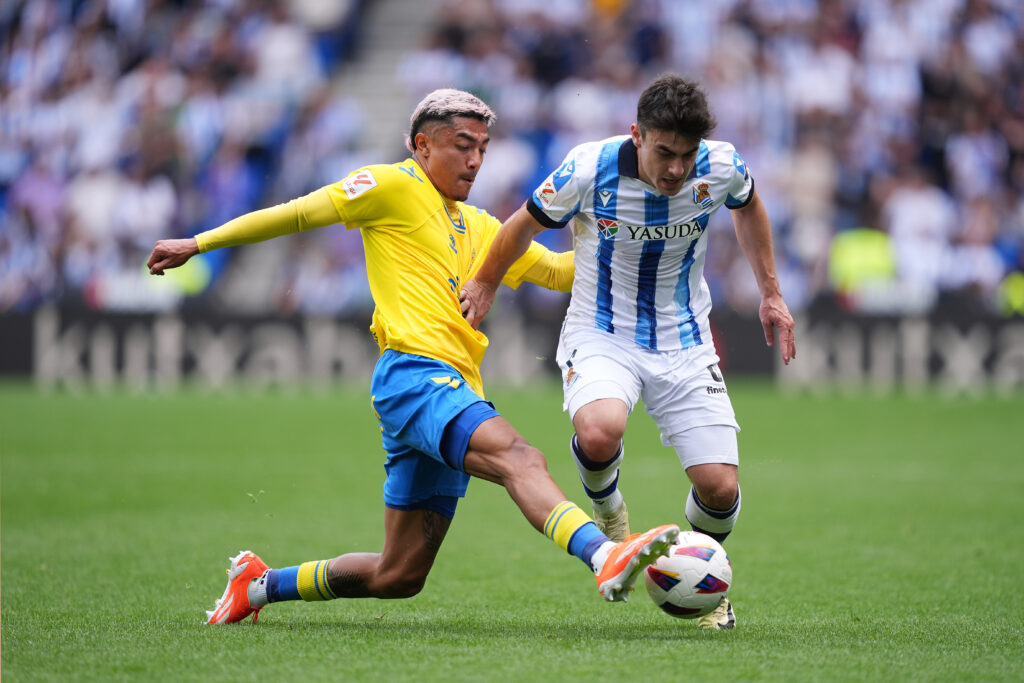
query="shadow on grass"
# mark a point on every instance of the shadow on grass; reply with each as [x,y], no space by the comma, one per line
[486,627]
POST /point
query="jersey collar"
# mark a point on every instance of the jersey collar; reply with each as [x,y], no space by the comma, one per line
[628,164]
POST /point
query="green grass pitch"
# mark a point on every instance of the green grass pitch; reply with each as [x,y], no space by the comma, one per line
[881,539]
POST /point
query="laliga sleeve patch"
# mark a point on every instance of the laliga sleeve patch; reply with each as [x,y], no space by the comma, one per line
[358,183]
[546,194]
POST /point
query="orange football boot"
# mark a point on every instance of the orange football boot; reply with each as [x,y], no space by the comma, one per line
[629,557]
[234,604]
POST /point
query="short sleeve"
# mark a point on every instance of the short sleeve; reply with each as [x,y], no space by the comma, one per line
[558,198]
[488,230]
[740,185]
[373,195]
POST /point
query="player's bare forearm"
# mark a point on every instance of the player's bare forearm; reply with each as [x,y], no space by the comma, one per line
[754,233]
[511,242]
[171,254]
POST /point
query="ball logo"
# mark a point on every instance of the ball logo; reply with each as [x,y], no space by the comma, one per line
[358,183]
[607,227]
[664,579]
[712,584]
[702,195]
[694,551]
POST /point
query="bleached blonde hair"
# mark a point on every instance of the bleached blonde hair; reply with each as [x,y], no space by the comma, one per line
[445,104]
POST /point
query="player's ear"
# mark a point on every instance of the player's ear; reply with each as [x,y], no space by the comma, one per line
[636,133]
[422,144]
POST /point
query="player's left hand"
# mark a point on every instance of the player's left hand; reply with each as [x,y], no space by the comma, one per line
[774,314]
[171,254]
[476,299]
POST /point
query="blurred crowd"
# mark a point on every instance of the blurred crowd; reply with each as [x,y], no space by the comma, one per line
[886,137]
[126,121]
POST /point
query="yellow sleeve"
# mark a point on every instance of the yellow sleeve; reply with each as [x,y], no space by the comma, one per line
[396,196]
[554,270]
[523,266]
[315,210]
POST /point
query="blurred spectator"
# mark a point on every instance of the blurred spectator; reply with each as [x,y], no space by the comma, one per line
[122,121]
[897,121]
[921,221]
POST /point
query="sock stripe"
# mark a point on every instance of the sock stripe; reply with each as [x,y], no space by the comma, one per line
[316,582]
[311,587]
[554,517]
[568,521]
[715,523]
[589,464]
[717,514]
[604,493]
[322,576]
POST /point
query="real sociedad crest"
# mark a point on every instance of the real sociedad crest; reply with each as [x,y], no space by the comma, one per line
[607,227]
[702,195]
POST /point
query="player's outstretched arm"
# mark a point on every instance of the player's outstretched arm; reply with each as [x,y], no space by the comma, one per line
[753,230]
[511,242]
[314,210]
[171,254]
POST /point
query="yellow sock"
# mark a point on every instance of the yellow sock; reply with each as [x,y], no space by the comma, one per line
[563,523]
[312,581]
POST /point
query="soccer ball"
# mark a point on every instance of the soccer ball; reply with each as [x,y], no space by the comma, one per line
[692,578]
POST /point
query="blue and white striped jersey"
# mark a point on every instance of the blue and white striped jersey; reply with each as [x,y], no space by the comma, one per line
[640,254]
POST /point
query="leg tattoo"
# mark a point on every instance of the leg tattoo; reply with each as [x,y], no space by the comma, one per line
[346,583]
[350,576]
[435,526]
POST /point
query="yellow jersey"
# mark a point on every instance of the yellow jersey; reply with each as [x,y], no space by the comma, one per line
[420,247]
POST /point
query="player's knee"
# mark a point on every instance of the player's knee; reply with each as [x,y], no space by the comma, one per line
[398,585]
[529,458]
[719,495]
[599,442]
[523,460]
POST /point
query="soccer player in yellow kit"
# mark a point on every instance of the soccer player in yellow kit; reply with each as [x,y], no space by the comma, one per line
[421,243]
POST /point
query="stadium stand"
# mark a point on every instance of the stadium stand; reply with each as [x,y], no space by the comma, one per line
[124,121]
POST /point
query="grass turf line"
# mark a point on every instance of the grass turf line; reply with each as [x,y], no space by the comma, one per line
[879,539]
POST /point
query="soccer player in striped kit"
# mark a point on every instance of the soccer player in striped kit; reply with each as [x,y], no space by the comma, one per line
[421,241]
[637,324]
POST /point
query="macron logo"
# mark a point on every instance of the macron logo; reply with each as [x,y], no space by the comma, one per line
[605,195]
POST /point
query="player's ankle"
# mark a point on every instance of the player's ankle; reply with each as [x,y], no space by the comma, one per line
[597,560]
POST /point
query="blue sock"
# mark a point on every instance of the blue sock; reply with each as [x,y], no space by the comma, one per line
[585,542]
[282,584]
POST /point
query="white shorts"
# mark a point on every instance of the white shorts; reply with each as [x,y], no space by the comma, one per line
[681,389]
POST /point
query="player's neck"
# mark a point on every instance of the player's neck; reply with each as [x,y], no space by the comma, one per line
[450,204]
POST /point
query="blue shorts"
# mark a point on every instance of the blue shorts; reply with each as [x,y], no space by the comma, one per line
[427,414]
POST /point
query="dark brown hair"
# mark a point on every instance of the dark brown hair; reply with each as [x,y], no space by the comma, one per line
[672,103]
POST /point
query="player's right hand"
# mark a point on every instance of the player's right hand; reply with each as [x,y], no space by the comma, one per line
[171,254]
[476,299]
